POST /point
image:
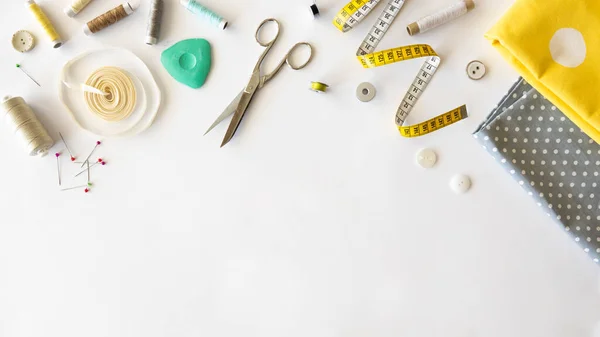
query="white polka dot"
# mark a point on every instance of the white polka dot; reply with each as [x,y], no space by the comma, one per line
[568,48]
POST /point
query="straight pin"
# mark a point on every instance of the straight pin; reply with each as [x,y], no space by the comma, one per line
[72,188]
[94,149]
[100,161]
[67,146]
[88,170]
[58,167]
[24,72]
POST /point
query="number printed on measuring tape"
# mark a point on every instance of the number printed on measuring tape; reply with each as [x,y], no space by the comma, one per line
[352,14]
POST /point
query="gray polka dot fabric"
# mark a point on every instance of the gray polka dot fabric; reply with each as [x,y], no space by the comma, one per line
[551,158]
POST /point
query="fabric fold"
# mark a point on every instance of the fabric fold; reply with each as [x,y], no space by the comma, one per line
[523,36]
[552,159]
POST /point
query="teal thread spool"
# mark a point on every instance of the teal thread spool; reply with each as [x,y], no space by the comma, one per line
[205,13]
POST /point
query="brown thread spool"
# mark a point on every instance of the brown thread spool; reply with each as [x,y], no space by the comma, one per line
[109,18]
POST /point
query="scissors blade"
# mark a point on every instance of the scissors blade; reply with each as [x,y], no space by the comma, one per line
[227,112]
[237,117]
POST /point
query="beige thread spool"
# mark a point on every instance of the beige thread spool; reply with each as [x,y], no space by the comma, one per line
[441,17]
[75,7]
[24,123]
[109,18]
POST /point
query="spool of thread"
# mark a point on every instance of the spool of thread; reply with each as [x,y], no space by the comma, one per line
[318,87]
[43,20]
[24,123]
[439,18]
[154,21]
[205,13]
[76,7]
[109,18]
[314,11]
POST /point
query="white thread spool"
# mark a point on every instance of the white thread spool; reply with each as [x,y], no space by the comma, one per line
[439,18]
[75,7]
[24,123]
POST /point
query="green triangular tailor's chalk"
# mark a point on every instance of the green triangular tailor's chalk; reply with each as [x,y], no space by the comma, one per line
[188,61]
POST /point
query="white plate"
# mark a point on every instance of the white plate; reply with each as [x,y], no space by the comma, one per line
[81,67]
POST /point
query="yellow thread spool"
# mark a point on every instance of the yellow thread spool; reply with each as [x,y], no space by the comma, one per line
[318,87]
[44,22]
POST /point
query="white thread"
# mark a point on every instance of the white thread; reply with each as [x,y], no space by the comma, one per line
[76,7]
[24,123]
[439,18]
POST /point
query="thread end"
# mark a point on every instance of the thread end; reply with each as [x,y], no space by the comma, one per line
[470,4]
[151,40]
[86,30]
[70,12]
[413,29]
[223,24]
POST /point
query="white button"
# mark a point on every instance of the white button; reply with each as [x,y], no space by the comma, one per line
[476,70]
[365,92]
[460,183]
[22,41]
[426,158]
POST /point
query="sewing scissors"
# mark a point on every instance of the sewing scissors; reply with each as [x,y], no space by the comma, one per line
[240,104]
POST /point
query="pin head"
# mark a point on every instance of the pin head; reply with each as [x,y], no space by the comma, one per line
[103,163]
[72,158]
[100,160]
[18,65]
[90,184]
[98,142]
[86,190]
[57,154]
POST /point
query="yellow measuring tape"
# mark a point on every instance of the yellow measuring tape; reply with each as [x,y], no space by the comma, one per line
[352,14]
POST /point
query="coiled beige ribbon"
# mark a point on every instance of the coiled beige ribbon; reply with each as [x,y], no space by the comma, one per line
[120,98]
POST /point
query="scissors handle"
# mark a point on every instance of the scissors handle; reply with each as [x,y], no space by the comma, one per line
[287,59]
[290,53]
[261,26]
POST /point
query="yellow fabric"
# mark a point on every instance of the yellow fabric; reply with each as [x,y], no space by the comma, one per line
[523,37]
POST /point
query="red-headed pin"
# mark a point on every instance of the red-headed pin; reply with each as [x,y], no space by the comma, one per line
[72,188]
[67,146]
[99,161]
[94,149]
[57,154]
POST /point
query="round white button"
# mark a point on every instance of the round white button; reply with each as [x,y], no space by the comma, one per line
[365,92]
[426,158]
[460,183]
[475,70]
[22,41]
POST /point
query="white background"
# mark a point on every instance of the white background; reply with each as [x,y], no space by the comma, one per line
[314,221]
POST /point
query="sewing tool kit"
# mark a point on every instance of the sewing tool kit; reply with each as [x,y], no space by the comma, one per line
[111,92]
